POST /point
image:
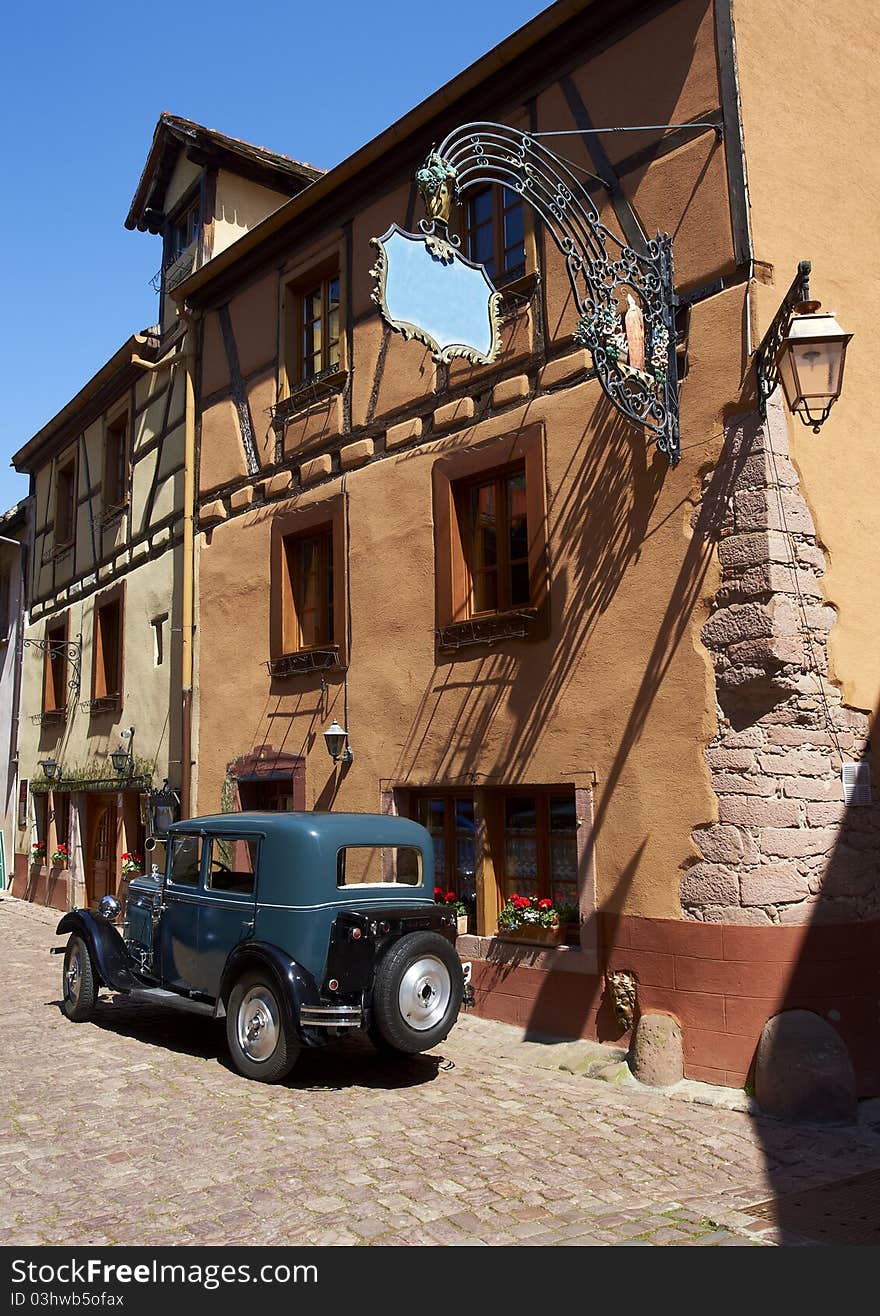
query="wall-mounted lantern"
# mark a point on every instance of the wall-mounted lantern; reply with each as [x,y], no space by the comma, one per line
[121,758]
[804,350]
[336,740]
[164,810]
[49,768]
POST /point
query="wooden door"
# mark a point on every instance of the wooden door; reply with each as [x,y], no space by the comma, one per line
[101,865]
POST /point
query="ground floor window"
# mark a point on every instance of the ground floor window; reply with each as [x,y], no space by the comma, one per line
[530,834]
[540,846]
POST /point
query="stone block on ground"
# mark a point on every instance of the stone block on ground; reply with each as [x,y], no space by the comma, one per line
[803,1070]
[656,1055]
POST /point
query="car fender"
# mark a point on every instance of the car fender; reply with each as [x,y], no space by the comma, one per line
[296,984]
[108,951]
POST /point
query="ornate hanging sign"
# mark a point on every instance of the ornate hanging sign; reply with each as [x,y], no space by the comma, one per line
[426,289]
[625,298]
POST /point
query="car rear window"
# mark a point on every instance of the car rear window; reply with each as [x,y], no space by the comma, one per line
[379,865]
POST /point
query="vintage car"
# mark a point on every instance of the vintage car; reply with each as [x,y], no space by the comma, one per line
[292,926]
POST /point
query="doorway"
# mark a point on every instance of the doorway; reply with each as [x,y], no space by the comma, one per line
[101,875]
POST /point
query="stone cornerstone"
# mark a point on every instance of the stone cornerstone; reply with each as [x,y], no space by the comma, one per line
[785,849]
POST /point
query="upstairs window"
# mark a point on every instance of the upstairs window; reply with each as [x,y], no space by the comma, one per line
[493,523]
[496,233]
[55,689]
[307,605]
[307,617]
[65,504]
[313,327]
[182,232]
[107,658]
[115,481]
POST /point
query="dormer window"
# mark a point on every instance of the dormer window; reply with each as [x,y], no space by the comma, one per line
[182,232]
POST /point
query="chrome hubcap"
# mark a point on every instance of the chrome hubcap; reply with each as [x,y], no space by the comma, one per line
[425,992]
[72,975]
[258,1024]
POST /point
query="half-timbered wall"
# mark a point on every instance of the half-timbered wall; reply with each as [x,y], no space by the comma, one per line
[129,550]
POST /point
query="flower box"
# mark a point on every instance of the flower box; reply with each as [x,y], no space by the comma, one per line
[541,936]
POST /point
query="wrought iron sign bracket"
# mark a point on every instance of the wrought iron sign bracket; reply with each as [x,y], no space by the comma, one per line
[625,298]
[71,650]
[766,354]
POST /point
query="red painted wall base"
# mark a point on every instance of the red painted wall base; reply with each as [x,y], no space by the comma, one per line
[722,982]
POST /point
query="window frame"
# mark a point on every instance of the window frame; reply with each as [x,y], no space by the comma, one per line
[56,632]
[114,424]
[303,523]
[114,597]
[462,493]
[501,276]
[63,467]
[542,796]
[322,266]
[452,577]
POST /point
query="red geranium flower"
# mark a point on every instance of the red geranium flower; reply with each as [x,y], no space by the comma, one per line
[450,897]
[438,893]
[545,903]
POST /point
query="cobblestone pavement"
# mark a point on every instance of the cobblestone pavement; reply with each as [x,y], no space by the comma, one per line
[134,1129]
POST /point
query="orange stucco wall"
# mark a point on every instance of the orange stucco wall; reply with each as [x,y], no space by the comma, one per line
[809,97]
[621,693]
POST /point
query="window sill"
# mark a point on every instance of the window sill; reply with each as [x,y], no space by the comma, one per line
[517,294]
[114,513]
[50,717]
[106,704]
[307,660]
[307,393]
[513,625]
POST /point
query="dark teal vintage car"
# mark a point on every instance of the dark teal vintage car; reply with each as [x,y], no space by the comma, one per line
[293,926]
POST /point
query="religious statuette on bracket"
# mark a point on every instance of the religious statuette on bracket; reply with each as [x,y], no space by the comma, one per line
[426,289]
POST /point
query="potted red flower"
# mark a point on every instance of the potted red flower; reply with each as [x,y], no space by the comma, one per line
[60,856]
[451,900]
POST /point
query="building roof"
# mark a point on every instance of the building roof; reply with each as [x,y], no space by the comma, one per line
[174,135]
[98,392]
[15,518]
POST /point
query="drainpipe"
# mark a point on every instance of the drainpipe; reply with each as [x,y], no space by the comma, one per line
[189,545]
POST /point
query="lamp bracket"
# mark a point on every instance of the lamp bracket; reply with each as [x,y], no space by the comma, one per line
[602,269]
[768,350]
[69,649]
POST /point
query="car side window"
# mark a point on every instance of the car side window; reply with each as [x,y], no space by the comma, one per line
[186,860]
[232,865]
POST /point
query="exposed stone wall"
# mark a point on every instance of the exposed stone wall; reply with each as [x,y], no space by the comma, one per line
[786,849]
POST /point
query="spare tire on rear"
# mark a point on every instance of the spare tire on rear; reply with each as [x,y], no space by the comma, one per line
[417,992]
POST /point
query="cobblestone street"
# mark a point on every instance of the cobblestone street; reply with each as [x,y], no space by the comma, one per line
[134,1129]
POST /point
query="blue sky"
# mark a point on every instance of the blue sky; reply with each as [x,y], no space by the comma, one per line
[83,85]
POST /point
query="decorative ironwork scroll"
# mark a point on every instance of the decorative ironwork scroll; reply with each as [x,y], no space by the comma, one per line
[765,356]
[71,650]
[625,298]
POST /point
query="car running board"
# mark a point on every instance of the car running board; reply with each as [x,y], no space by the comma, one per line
[161,996]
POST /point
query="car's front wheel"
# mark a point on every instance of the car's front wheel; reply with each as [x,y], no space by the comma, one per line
[417,993]
[79,987]
[262,1041]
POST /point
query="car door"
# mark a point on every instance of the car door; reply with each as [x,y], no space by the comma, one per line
[226,913]
[181,900]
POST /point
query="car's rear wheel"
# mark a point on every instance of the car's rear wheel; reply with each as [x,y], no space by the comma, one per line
[78,981]
[262,1041]
[417,993]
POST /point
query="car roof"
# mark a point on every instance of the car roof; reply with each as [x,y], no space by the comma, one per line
[335,828]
